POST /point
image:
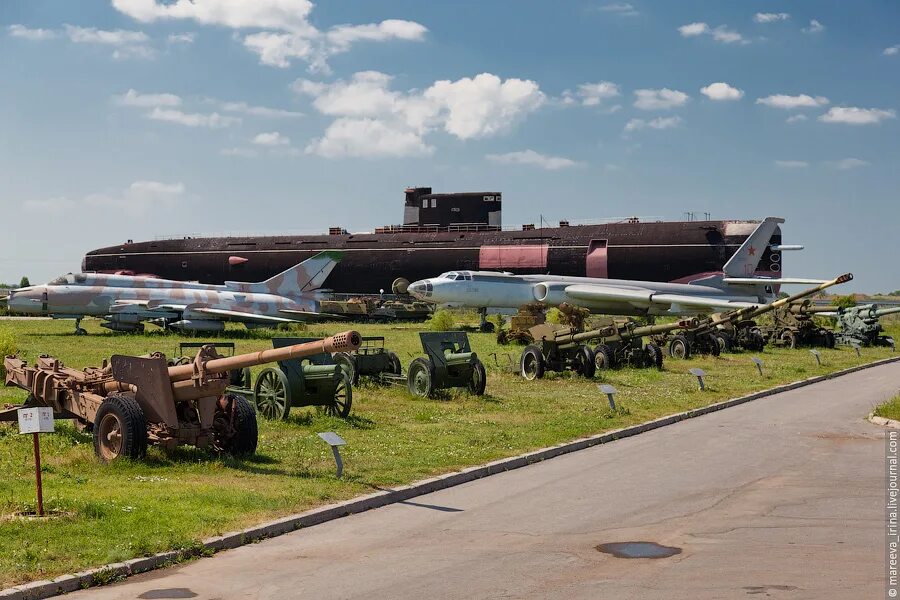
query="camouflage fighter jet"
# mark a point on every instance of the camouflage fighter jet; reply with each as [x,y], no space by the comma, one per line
[125,302]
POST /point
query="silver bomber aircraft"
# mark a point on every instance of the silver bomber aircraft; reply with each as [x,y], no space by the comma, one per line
[125,302]
[735,287]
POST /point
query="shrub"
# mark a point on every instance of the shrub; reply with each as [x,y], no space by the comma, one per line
[442,320]
[554,315]
[7,347]
[845,301]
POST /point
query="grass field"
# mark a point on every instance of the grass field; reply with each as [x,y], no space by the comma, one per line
[890,409]
[112,513]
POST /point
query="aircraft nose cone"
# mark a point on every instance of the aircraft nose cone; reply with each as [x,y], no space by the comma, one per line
[417,289]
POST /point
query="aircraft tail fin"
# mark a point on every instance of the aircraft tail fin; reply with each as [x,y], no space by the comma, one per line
[307,276]
[745,261]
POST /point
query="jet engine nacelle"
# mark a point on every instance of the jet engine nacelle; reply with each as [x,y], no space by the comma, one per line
[198,325]
[550,293]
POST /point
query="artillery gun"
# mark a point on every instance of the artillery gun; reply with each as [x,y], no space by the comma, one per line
[793,325]
[740,325]
[131,401]
[620,342]
[860,325]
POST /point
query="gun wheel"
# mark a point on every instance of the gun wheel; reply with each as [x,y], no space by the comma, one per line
[788,339]
[420,379]
[654,355]
[396,366]
[342,400]
[120,429]
[584,362]
[478,382]
[234,426]
[348,363]
[603,357]
[531,365]
[680,348]
[272,394]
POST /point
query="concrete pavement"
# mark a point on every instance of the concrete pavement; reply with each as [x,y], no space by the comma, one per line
[781,497]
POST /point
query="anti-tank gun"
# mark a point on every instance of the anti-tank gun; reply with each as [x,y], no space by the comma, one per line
[131,401]
[794,325]
[860,325]
[736,328]
[618,342]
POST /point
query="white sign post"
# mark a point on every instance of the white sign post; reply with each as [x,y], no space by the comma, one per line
[37,420]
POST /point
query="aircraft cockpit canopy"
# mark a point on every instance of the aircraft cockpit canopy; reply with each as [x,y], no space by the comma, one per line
[69,279]
[456,276]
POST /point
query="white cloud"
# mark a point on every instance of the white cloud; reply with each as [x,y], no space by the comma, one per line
[49,206]
[814,27]
[181,38]
[36,35]
[892,51]
[592,94]
[126,44]
[211,120]
[657,123]
[272,138]
[532,158]
[133,98]
[770,17]
[623,9]
[693,29]
[140,197]
[852,115]
[286,33]
[721,91]
[661,99]
[791,164]
[368,138]
[849,163]
[791,102]
[395,122]
[796,118]
[259,111]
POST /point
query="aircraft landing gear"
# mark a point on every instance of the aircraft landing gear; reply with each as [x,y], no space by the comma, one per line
[484,326]
[78,329]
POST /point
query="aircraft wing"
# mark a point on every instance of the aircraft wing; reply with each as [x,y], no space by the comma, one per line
[312,316]
[240,315]
[773,281]
[645,298]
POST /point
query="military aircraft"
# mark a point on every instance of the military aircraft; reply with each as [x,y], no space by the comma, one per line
[735,287]
[125,302]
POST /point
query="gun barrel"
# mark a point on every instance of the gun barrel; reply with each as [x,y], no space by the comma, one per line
[881,312]
[340,342]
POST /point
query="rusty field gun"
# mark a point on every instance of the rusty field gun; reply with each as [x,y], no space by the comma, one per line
[738,328]
[131,401]
[619,342]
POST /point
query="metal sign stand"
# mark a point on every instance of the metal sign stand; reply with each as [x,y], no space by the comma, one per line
[37,420]
[335,441]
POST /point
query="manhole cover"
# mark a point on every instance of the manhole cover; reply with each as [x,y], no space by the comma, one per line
[638,550]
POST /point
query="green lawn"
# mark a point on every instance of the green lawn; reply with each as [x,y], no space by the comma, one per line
[116,512]
[890,409]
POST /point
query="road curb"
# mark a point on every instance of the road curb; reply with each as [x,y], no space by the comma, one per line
[890,423]
[113,572]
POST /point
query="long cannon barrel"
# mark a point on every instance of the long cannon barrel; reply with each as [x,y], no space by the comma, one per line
[755,311]
[340,342]
[625,331]
[890,310]
[807,308]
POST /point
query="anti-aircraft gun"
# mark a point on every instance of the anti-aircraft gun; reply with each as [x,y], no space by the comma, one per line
[131,401]
[619,342]
[739,325]
[860,325]
[793,325]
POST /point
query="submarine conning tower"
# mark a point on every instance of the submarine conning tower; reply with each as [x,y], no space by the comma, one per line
[479,210]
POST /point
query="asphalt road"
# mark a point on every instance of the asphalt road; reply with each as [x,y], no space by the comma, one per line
[777,498]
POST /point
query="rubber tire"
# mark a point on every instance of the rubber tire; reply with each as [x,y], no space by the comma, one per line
[246,432]
[334,409]
[80,331]
[478,382]
[603,358]
[534,354]
[133,426]
[788,339]
[682,341]
[347,362]
[585,360]
[727,344]
[655,354]
[713,341]
[829,339]
[420,368]
[487,327]
[239,377]
[396,365]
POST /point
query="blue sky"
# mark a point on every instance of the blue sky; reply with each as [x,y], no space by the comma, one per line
[141,118]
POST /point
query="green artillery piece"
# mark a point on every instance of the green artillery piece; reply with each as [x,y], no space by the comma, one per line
[369,360]
[311,380]
[620,342]
[740,324]
[793,326]
[449,363]
[131,401]
[860,325]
